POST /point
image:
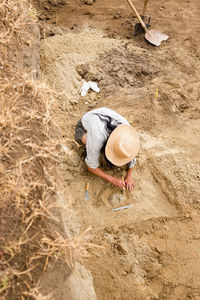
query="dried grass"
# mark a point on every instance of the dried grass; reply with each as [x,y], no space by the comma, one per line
[30,149]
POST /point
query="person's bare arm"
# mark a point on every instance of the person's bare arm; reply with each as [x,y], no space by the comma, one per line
[116,181]
[129,180]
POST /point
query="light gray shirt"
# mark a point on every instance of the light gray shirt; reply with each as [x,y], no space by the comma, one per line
[97,134]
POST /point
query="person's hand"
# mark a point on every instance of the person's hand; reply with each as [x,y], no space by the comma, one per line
[118,182]
[129,183]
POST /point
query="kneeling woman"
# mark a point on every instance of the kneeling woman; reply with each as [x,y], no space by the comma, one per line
[103,127]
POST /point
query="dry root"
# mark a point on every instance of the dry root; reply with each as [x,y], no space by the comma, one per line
[30,149]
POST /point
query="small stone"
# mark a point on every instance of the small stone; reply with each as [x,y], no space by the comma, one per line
[162,7]
[187,216]
[69,108]
[153,269]
[108,229]
[73,159]
[116,199]
[98,77]
[92,97]
[115,229]
[116,68]
[98,255]
[124,247]
[196,236]
[124,273]
[68,177]
[92,105]
[117,16]
[73,101]
[72,115]
[112,274]
[89,2]
[134,266]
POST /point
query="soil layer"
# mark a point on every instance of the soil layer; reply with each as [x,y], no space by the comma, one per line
[151,250]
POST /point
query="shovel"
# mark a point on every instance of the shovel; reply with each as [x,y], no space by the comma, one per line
[87,196]
[153,36]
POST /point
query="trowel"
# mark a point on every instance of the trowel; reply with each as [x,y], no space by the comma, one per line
[87,196]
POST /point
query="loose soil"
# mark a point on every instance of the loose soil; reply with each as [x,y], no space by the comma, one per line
[151,250]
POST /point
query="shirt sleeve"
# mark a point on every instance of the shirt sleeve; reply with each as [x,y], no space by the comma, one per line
[131,164]
[93,148]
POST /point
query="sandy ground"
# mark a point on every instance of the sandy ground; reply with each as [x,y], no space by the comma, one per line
[150,251]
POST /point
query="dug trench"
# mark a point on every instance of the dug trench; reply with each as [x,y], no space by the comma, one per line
[150,250]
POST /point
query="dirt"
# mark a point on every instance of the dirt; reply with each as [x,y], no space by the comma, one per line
[151,250]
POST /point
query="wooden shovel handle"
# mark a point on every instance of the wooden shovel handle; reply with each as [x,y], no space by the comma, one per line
[137,15]
[87,186]
[145,7]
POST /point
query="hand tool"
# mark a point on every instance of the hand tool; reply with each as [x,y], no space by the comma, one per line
[87,196]
[153,36]
[123,181]
[122,207]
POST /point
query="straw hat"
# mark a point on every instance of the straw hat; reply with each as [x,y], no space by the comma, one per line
[123,145]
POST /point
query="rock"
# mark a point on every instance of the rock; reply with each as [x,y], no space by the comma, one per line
[73,159]
[83,70]
[129,78]
[89,2]
[112,274]
[73,101]
[144,71]
[57,2]
[116,199]
[187,216]
[162,7]
[77,285]
[196,236]
[137,274]
[124,247]
[116,68]
[134,265]
[98,255]
[124,273]
[153,269]
[115,229]
[68,177]
[72,115]
[92,105]
[98,77]
[109,237]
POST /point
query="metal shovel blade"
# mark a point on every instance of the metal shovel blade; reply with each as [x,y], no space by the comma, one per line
[155,37]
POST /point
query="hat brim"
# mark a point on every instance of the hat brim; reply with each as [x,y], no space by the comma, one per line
[117,132]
